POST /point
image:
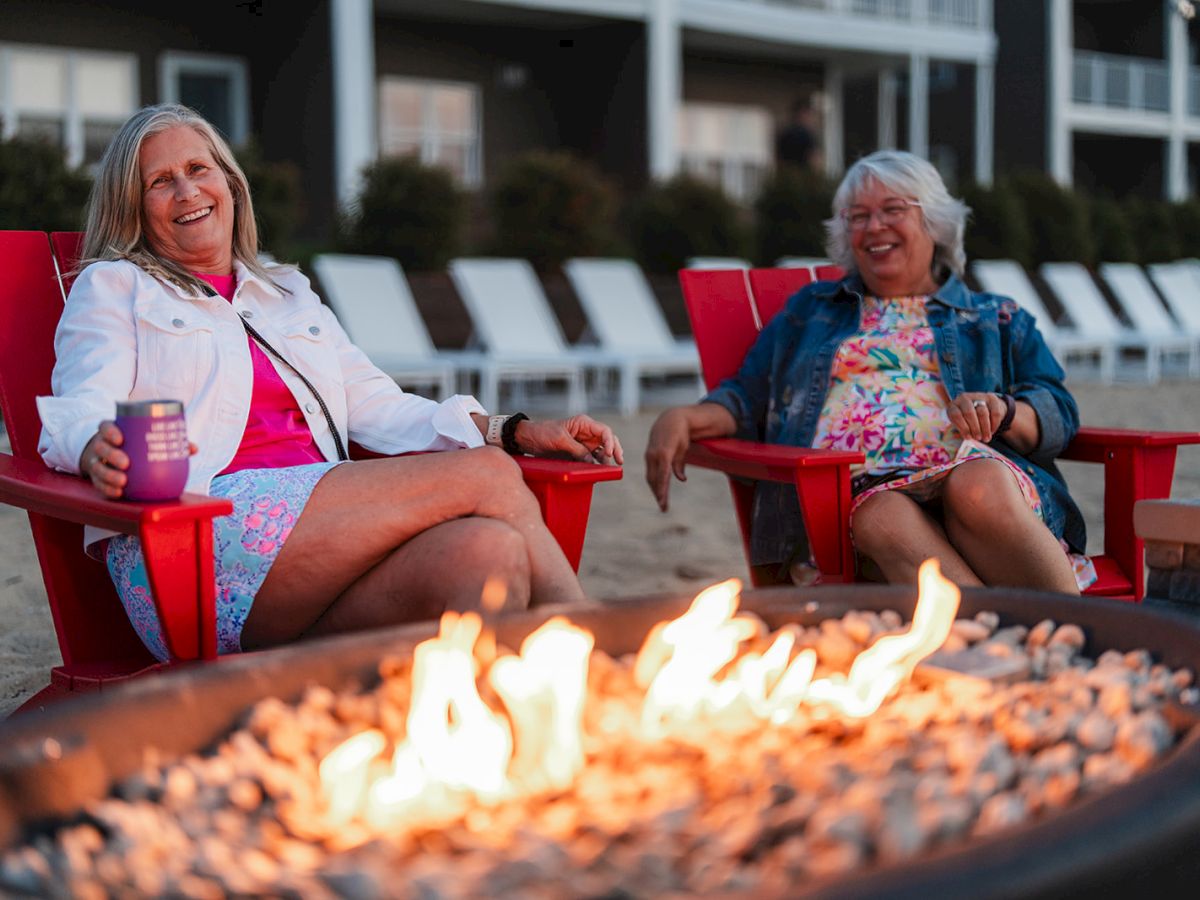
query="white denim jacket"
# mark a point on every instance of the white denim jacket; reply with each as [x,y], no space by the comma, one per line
[127,336]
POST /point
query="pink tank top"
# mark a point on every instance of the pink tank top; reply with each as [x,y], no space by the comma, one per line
[276,433]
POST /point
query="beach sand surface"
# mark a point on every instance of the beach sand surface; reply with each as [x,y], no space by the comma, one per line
[631,547]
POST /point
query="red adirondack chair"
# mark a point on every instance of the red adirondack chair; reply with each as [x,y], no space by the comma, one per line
[728,309]
[98,645]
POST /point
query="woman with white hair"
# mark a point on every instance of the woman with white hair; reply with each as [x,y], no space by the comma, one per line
[172,301]
[952,395]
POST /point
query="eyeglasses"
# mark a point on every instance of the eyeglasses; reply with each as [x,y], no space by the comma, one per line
[857,217]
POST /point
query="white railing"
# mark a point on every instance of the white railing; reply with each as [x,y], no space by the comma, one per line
[972,14]
[1120,82]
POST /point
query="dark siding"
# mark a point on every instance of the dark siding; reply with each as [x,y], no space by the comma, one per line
[710,78]
[285,43]
[584,90]
[1021,85]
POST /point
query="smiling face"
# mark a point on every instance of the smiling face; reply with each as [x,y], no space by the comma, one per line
[186,204]
[894,260]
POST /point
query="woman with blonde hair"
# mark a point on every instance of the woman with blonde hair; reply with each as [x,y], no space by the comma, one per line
[172,301]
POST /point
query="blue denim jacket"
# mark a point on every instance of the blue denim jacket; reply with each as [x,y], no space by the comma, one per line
[984,342]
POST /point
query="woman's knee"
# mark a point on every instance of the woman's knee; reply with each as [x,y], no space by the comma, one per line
[884,522]
[492,550]
[982,494]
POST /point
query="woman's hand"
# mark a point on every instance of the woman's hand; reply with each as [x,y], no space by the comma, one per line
[103,462]
[665,449]
[977,415]
[579,437]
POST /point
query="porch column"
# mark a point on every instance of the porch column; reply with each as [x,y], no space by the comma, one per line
[984,121]
[1060,40]
[918,104]
[1177,187]
[832,125]
[885,122]
[664,87]
[352,26]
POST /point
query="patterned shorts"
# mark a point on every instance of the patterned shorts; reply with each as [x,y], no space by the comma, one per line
[266,505]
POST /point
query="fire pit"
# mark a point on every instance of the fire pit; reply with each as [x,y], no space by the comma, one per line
[1138,833]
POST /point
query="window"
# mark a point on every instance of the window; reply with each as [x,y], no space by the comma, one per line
[728,145]
[436,121]
[76,99]
[217,87]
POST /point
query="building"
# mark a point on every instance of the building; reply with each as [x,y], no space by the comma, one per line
[643,88]
[1104,94]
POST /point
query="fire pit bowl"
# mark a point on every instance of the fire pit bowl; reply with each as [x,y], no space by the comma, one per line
[1140,836]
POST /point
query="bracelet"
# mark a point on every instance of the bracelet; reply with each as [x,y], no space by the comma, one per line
[493,437]
[508,433]
[1010,410]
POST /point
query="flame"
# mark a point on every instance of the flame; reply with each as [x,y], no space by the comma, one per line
[457,748]
[884,666]
[697,672]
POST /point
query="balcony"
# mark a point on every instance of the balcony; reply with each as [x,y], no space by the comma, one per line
[967,14]
[1121,82]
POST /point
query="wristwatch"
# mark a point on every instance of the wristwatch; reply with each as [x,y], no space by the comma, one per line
[495,431]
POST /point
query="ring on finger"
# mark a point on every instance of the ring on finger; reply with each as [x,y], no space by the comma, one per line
[979,403]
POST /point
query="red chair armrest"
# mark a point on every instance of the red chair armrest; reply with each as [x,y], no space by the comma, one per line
[1090,444]
[176,539]
[33,487]
[822,482]
[1138,465]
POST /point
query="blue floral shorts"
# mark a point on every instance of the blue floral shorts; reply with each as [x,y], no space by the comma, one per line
[266,505]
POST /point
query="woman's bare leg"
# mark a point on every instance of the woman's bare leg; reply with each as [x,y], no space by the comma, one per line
[440,569]
[994,529]
[360,513]
[898,535]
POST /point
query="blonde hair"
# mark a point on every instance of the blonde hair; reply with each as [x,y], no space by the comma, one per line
[115,226]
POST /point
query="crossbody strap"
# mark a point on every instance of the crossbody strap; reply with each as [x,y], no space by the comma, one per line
[262,341]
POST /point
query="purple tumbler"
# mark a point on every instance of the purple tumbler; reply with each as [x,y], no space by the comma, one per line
[157,446]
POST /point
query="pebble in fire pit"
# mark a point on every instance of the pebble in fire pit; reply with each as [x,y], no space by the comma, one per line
[752,809]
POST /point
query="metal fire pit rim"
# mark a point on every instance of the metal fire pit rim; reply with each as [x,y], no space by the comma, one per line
[1007,864]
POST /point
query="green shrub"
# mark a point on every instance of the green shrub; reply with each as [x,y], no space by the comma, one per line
[1187,227]
[997,228]
[406,210]
[1155,226]
[549,207]
[1112,231]
[685,217]
[275,190]
[1057,217]
[790,212]
[37,190]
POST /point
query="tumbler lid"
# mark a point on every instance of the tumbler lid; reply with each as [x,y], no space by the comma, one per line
[155,409]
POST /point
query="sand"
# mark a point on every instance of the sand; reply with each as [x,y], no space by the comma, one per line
[631,547]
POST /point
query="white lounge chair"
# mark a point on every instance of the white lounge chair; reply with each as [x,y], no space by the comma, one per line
[1145,310]
[1179,284]
[625,318]
[717,262]
[373,302]
[1008,278]
[1088,309]
[522,339]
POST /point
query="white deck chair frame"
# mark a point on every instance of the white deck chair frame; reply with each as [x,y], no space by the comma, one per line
[1179,284]
[624,316]
[373,302]
[520,335]
[1140,302]
[1007,278]
[1081,298]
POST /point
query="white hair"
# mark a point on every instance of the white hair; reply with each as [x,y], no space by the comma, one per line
[943,217]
